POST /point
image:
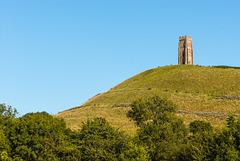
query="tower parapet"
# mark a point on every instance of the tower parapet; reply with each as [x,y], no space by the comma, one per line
[185,50]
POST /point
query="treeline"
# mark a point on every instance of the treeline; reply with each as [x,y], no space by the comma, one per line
[161,136]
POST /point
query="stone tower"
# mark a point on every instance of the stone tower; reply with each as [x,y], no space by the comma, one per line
[185,50]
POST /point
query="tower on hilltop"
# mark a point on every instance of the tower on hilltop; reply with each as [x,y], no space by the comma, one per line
[185,50]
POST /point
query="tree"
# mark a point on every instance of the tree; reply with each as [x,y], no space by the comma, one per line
[160,129]
[135,153]
[152,108]
[4,142]
[201,145]
[7,114]
[7,111]
[4,146]
[100,141]
[205,144]
[227,143]
[38,136]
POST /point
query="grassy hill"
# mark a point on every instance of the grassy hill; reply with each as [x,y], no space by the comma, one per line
[205,93]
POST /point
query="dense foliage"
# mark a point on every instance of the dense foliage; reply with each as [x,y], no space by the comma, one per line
[160,129]
[35,136]
[161,135]
[40,136]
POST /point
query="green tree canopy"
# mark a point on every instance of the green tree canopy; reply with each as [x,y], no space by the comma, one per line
[160,129]
[100,141]
[30,134]
[7,111]
[152,108]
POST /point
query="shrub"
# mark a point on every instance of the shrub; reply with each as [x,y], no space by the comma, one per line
[200,126]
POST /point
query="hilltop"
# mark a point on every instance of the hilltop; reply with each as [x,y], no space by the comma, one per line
[205,93]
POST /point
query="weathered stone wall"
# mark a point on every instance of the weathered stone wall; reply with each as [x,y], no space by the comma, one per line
[185,50]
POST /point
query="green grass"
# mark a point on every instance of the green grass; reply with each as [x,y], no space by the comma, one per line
[193,88]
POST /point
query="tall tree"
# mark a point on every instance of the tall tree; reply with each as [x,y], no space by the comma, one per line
[160,129]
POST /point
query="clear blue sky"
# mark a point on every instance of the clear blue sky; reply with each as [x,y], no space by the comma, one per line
[56,54]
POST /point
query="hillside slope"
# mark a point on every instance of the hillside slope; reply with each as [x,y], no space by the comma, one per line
[204,93]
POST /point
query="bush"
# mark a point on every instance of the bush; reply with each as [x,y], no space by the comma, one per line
[200,126]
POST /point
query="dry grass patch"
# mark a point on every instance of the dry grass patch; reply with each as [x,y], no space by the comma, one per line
[115,115]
